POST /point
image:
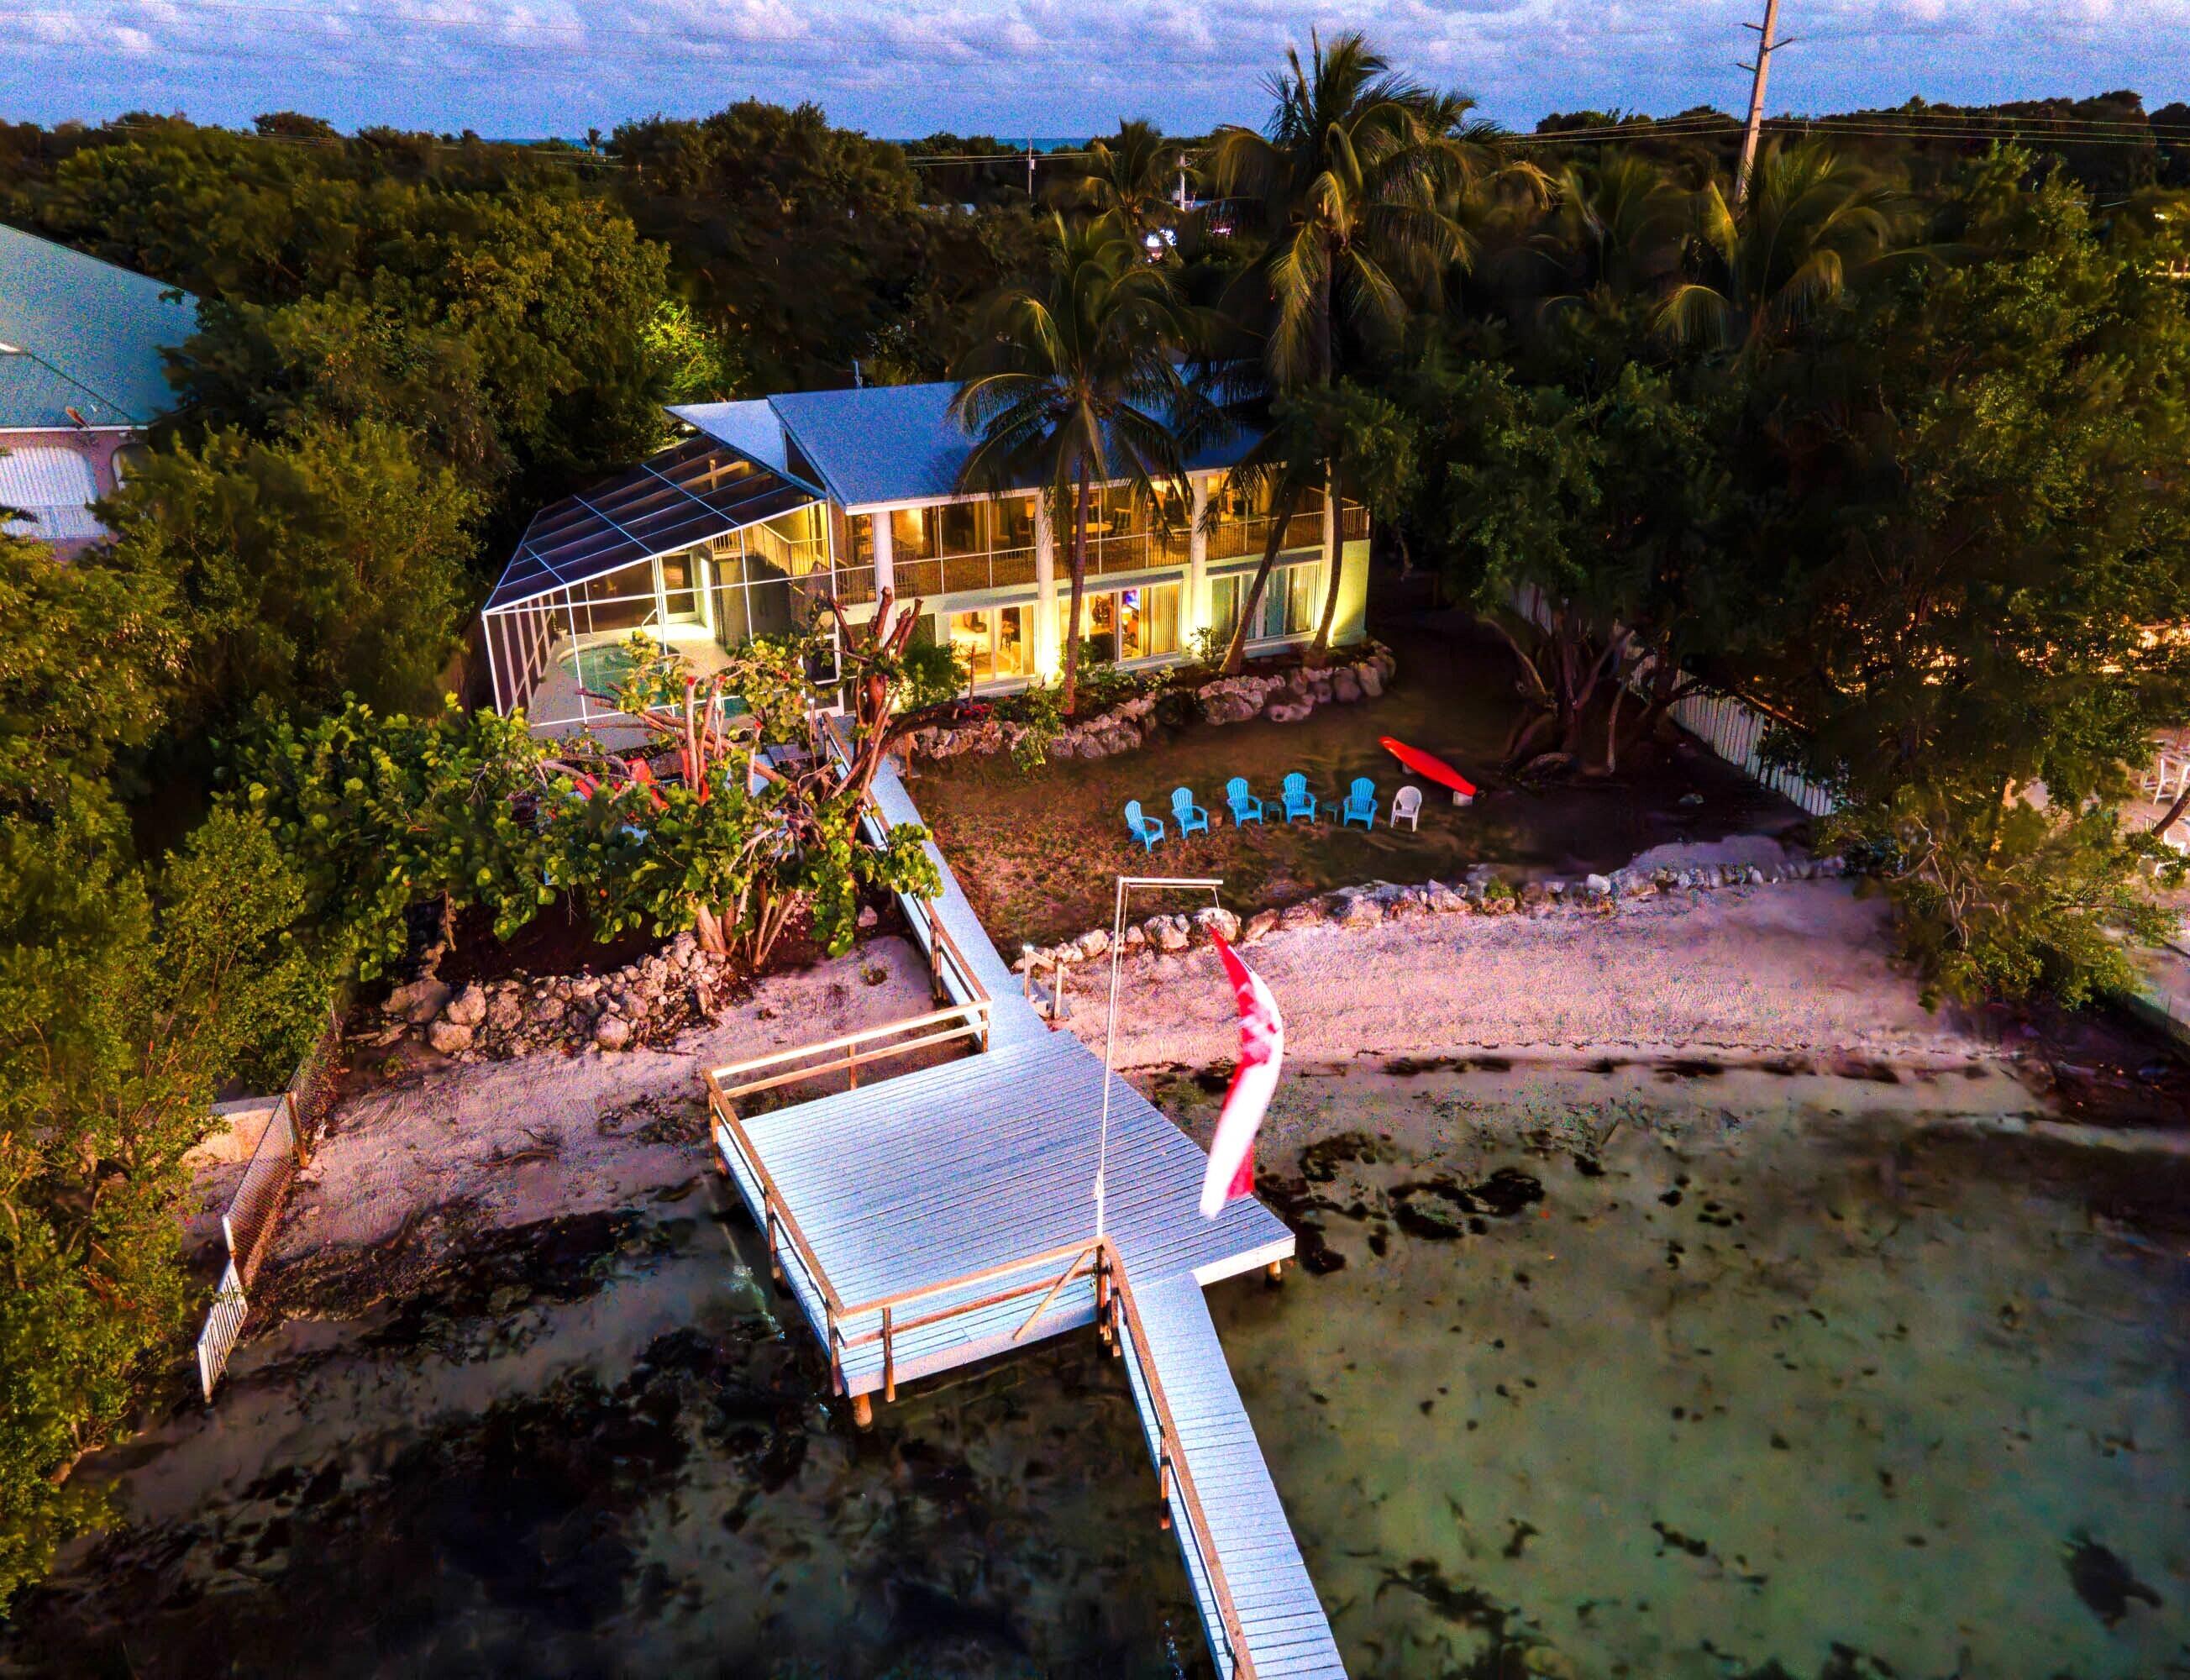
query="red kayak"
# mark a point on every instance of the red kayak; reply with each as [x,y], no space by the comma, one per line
[1434,769]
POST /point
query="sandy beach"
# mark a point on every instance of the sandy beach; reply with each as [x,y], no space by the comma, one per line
[1801,968]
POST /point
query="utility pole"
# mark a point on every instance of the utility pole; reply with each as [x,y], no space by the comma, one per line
[1767,39]
[1029,168]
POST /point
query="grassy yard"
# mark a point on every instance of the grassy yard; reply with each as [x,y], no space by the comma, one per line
[1036,852]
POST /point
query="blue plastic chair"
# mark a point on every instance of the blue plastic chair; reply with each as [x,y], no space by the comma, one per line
[1190,817]
[1245,806]
[1360,804]
[1146,830]
[1299,802]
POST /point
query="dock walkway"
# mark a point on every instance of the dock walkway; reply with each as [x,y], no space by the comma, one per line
[933,1219]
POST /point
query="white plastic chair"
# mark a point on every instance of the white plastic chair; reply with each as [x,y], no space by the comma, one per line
[1407,808]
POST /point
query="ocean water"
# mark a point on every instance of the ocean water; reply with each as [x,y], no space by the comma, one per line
[1567,1384]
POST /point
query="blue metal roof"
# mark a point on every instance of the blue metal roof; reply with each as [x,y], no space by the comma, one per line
[881,443]
[750,428]
[84,334]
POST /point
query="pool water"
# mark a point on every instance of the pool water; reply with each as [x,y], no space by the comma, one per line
[598,669]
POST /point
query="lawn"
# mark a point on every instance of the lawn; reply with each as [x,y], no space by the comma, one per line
[1037,852]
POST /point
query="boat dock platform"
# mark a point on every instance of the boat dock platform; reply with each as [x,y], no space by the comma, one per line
[926,1219]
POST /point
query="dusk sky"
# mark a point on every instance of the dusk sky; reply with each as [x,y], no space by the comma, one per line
[909,67]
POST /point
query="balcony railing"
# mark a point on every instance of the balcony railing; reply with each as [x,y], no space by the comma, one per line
[1234,538]
[1002,569]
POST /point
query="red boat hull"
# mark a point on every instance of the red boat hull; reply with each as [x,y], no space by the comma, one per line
[1422,765]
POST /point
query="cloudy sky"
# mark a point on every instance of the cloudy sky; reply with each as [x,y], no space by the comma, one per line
[906,67]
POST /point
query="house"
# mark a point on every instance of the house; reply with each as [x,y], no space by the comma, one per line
[770,507]
[80,376]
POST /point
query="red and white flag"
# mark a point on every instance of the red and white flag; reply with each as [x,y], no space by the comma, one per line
[1261,1048]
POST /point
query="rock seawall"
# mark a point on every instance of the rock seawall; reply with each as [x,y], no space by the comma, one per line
[1281,696]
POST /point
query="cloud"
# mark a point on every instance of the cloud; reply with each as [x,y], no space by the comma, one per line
[910,66]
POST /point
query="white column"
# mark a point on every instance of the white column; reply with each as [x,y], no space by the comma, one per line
[1195,610]
[885,559]
[1048,657]
[1331,556]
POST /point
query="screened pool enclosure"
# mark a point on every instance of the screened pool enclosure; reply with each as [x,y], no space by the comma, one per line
[699,548]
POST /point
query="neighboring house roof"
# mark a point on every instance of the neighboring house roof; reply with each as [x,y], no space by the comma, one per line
[84,334]
[682,496]
[53,487]
[879,443]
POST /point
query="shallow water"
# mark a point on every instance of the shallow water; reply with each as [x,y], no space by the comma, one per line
[590,1447]
[1615,1385]
[1729,1398]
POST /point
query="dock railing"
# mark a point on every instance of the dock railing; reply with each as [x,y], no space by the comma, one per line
[1174,1477]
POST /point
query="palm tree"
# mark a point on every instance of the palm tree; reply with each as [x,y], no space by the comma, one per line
[1348,184]
[1130,175]
[1621,224]
[1814,222]
[1075,383]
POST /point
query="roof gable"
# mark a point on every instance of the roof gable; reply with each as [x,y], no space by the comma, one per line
[84,334]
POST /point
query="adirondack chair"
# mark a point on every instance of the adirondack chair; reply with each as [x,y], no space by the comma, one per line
[1299,802]
[1407,808]
[1146,830]
[1360,804]
[1246,806]
[1191,818]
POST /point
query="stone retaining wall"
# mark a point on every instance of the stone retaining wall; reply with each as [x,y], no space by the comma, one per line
[1379,901]
[646,1002]
[1282,696]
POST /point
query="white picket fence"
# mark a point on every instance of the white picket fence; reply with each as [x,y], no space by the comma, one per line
[1730,728]
[254,1212]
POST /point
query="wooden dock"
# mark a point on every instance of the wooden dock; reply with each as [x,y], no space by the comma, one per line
[925,1219]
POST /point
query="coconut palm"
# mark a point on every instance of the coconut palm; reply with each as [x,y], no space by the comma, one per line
[1621,224]
[1074,383]
[1130,175]
[1348,185]
[1814,222]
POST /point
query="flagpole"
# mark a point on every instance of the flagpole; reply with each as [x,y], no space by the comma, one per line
[1125,885]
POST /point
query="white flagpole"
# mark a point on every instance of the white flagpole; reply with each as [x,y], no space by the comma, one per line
[1125,885]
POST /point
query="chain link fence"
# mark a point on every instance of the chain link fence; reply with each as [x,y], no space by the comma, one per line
[254,1212]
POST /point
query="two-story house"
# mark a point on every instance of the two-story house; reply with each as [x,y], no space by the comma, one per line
[772,506]
[81,374]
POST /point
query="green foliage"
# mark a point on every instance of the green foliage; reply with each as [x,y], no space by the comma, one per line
[237,915]
[122,1002]
[329,561]
[806,247]
[1969,610]
[2008,902]
[89,654]
[272,370]
[1039,710]
[696,364]
[651,857]
[381,812]
[934,675]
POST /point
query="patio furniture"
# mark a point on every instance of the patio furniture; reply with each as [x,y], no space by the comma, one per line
[1191,818]
[1360,804]
[1146,830]
[1299,802]
[1407,808]
[1245,806]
